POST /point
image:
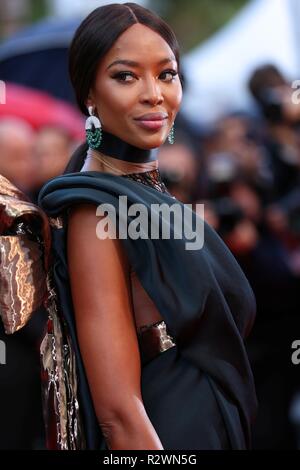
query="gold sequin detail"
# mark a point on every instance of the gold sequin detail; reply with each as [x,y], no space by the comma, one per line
[154,339]
[56,222]
[22,280]
[24,256]
[59,382]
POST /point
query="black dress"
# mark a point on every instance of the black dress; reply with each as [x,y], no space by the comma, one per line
[198,392]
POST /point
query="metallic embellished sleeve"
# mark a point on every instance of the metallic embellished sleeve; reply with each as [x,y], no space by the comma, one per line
[24,248]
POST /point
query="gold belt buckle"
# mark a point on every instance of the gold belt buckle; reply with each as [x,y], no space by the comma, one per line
[154,339]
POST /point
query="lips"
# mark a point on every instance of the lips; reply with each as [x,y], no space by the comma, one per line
[152,117]
[152,121]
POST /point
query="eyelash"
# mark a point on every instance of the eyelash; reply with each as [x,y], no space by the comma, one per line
[118,75]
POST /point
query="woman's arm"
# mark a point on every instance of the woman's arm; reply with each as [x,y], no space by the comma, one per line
[107,334]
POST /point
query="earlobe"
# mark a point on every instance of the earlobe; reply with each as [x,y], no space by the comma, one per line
[89,103]
[90,100]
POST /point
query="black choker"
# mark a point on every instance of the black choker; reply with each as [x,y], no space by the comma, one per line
[117,148]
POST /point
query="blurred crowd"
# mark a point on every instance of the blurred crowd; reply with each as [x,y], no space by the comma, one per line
[245,169]
[28,158]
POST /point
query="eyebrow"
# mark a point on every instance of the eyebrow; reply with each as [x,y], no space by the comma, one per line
[132,63]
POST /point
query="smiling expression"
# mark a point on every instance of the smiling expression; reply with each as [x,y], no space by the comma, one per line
[137,91]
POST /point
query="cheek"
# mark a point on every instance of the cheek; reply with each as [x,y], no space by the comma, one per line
[175,98]
[116,100]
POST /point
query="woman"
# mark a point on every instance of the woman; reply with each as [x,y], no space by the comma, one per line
[157,330]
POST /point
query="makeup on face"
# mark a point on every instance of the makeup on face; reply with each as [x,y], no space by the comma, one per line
[137,91]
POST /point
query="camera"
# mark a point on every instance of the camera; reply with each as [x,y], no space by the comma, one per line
[229,215]
[271,103]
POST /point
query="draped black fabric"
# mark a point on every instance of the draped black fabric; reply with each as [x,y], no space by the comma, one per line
[203,296]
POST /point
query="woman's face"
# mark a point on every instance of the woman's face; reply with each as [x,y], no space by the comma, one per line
[135,79]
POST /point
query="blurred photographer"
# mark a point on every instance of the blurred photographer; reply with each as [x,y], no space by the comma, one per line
[237,230]
[235,149]
[273,94]
[283,220]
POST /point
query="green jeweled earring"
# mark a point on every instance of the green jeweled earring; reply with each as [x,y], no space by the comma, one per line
[171,137]
[93,130]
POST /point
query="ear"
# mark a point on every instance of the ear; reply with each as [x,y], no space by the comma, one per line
[90,100]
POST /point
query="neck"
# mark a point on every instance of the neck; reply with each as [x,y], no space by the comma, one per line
[100,162]
[117,148]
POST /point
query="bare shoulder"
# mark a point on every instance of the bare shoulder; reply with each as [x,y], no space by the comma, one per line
[85,244]
[81,214]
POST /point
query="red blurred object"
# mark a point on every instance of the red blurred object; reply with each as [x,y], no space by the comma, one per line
[40,109]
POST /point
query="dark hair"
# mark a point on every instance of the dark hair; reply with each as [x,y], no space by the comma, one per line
[93,39]
[266,76]
[262,85]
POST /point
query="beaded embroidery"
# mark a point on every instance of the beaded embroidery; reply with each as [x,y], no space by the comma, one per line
[150,178]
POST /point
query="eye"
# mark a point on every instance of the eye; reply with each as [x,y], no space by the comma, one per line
[122,76]
[171,74]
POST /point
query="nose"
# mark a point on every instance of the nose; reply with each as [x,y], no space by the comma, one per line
[151,92]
